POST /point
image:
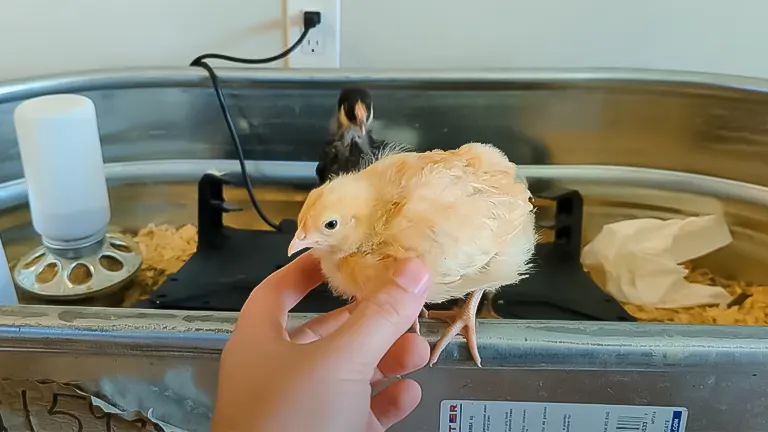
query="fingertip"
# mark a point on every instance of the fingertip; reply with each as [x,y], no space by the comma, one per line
[307,264]
[269,302]
[418,345]
[396,401]
[409,353]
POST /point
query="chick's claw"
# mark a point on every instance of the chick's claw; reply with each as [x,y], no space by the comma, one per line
[464,325]
[462,322]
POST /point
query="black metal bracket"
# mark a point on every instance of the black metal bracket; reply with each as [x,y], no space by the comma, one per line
[230,262]
[558,288]
[211,207]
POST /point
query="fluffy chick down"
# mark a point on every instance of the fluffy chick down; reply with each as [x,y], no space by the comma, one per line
[466,213]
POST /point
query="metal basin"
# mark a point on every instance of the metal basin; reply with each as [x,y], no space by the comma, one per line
[634,143]
[142,194]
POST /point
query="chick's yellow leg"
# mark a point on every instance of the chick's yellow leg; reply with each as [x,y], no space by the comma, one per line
[462,322]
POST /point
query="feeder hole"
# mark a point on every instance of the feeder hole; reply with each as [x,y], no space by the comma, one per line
[110,263]
[33,261]
[120,246]
[79,274]
[47,273]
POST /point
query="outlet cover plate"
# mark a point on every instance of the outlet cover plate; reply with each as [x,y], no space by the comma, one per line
[322,47]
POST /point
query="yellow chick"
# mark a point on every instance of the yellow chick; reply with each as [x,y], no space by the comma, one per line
[465,213]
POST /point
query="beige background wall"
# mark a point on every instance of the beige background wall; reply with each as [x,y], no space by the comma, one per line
[43,36]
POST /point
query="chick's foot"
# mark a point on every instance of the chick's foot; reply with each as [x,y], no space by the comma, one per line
[463,323]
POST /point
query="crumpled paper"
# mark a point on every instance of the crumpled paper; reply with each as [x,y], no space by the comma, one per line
[177,400]
[638,261]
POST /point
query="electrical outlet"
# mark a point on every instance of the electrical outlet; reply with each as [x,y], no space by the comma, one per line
[321,48]
[313,46]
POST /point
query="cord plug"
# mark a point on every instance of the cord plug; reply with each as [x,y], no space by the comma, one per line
[312,19]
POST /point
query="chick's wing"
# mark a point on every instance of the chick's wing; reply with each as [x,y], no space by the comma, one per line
[457,217]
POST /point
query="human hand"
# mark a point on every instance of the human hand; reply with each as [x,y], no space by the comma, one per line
[319,376]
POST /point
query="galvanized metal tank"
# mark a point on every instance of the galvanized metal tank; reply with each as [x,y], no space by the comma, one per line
[635,143]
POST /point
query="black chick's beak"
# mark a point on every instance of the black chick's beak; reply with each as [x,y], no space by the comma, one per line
[361,115]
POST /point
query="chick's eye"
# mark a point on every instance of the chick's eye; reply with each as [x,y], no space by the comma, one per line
[331,224]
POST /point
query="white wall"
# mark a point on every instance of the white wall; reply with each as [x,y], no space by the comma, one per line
[44,36]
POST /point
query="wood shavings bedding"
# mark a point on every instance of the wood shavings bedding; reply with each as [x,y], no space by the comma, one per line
[166,249]
[754,310]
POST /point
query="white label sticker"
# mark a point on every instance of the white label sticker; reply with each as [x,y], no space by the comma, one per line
[501,416]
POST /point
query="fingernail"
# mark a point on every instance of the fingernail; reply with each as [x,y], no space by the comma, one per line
[413,276]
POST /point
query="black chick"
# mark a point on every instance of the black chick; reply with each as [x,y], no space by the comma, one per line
[353,147]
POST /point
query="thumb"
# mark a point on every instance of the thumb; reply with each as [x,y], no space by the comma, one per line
[379,320]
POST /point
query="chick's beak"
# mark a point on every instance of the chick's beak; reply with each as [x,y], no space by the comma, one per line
[361,115]
[298,243]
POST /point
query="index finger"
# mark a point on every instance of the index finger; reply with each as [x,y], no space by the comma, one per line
[268,304]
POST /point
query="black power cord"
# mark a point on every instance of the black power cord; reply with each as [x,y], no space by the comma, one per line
[311,20]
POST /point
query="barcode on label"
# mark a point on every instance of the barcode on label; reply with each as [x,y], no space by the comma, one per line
[627,423]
